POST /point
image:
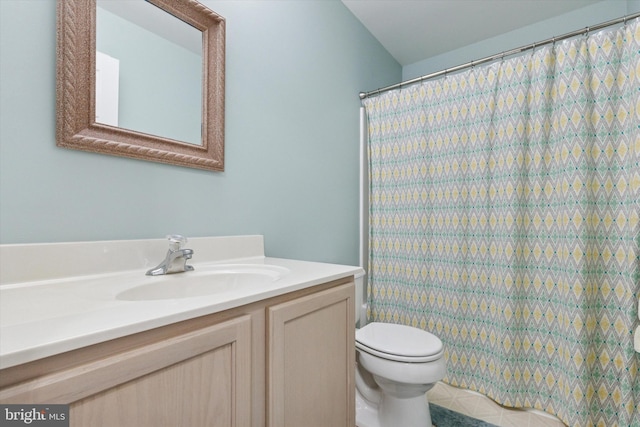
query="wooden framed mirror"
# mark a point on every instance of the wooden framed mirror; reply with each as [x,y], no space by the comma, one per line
[77,126]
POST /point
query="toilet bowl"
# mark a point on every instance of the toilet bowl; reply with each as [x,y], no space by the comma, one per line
[396,366]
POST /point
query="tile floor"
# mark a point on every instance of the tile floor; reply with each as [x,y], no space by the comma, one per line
[481,407]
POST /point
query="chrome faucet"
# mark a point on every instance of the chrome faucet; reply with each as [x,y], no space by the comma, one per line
[176,259]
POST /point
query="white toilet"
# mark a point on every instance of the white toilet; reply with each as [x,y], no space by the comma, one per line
[397,365]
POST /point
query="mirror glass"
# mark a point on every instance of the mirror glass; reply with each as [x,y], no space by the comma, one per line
[143,79]
[148,71]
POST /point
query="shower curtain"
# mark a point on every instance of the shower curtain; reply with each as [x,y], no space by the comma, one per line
[504,218]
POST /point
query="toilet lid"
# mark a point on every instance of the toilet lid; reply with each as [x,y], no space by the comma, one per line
[399,342]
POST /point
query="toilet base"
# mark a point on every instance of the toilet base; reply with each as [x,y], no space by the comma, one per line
[366,412]
[407,412]
[412,412]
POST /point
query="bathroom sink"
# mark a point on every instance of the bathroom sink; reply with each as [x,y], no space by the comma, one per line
[209,280]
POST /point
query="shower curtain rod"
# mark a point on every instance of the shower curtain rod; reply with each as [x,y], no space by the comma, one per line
[521,49]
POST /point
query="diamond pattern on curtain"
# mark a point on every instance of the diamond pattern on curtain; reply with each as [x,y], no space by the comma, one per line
[504,217]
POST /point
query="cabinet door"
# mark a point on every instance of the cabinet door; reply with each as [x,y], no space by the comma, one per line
[197,379]
[311,360]
[204,381]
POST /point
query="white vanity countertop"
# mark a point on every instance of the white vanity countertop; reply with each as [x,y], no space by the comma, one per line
[47,317]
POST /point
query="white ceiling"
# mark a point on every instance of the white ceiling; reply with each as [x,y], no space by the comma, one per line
[414,30]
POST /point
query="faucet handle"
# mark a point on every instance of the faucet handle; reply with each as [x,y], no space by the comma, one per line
[176,241]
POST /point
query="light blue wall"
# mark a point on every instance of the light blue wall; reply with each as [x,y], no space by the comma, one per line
[294,71]
[562,24]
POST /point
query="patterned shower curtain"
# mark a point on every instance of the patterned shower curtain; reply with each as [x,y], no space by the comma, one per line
[504,217]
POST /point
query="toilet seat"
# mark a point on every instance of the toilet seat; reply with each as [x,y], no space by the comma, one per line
[399,343]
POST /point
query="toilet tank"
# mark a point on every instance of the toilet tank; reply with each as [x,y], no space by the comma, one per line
[361,299]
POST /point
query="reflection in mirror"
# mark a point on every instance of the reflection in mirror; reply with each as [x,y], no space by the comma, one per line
[168,108]
[148,70]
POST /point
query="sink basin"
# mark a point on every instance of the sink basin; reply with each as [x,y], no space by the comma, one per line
[209,280]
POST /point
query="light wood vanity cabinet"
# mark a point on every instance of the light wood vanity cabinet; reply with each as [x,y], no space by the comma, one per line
[311,360]
[285,361]
[201,378]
